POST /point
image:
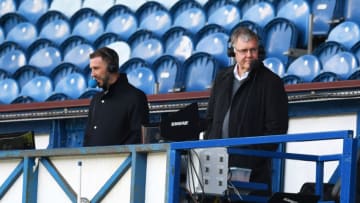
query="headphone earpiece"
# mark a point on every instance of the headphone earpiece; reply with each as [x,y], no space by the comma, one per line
[113,59]
[230,50]
[112,68]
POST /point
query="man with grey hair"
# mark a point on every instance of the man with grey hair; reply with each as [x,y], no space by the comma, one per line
[247,99]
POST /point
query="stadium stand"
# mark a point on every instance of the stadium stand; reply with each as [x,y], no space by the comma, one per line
[133,5]
[260,13]
[327,49]
[346,33]
[99,6]
[179,43]
[9,90]
[275,65]
[304,69]
[325,16]
[7,6]
[66,7]
[32,10]
[351,11]
[37,89]
[12,57]
[71,83]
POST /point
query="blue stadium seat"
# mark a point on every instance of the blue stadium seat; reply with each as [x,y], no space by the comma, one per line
[304,69]
[39,88]
[200,71]
[121,20]
[144,44]
[133,5]
[213,39]
[154,17]
[55,26]
[189,14]
[45,55]
[67,7]
[281,35]
[339,67]
[89,93]
[244,5]
[87,23]
[12,57]
[32,10]
[72,85]
[351,10]
[18,29]
[346,33]
[76,50]
[325,16]
[140,75]
[113,41]
[9,90]
[327,49]
[275,65]
[356,50]
[260,13]
[179,43]
[3,74]
[168,73]
[26,73]
[2,35]
[223,12]
[168,4]
[7,6]
[99,6]
[298,12]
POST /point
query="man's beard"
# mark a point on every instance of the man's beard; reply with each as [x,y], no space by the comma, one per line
[105,82]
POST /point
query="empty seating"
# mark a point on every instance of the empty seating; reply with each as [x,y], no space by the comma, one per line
[154,17]
[325,16]
[67,7]
[32,10]
[114,41]
[346,33]
[223,12]
[26,73]
[45,55]
[327,49]
[298,12]
[140,75]
[76,50]
[275,65]
[99,6]
[87,23]
[69,80]
[351,10]
[55,26]
[168,73]
[133,5]
[213,39]
[121,20]
[7,6]
[339,67]
[179,43]
[18,29]
[9,90]
[188,14]
[281,35]
[303,69]
[200,71]
[260,13]
[12,57]
[144,44]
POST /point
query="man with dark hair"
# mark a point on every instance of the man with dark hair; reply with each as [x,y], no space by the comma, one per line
[116,113]
[247,99]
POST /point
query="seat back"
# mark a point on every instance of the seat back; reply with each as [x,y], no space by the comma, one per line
[178,43]
[121,20]
[32,10]
[168,74]
[280,28]
[154,17]
[9,90]
[55,26]
[338,67]
[200,71]
[298,12]
[7,6]
[213,39]
[99,6]
[76,50]
[87,23]
[223,12]
[38,88]
[140,75]
[324,14]
[67,7]
[351,10]
[73,85]
[12,57]
[144,44]
[45,55]
[305,67]
[260,13]
[327,49]
[275,65]
[346,33]
[188,14]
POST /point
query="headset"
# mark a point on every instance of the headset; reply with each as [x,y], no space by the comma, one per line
[111,57]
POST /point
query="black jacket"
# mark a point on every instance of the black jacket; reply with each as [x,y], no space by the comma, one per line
[116,117]
[259,107]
